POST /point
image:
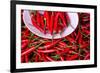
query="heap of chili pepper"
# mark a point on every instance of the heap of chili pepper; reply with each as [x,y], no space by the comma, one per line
[75,46]
[49,22]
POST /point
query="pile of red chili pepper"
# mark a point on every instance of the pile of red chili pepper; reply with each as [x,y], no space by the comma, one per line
[49,21]
[75,46]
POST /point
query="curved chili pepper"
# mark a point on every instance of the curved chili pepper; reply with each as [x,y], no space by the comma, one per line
[28,51]
[49,58]
[51,45]
[62,43]
[46,51]
[34,24]
[65,51]
[73,57]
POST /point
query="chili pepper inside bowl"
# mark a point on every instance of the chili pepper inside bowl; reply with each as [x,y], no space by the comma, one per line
[47,24]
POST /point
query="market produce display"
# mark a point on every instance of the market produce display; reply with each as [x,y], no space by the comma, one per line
[75,46]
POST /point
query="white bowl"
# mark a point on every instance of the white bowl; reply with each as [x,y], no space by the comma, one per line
[73,21]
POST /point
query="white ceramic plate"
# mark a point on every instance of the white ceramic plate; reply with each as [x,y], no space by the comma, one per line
[73,21]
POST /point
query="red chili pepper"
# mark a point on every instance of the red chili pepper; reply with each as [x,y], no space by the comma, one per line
[47,43]
[34,24]
[70,39]
[75,34]
[26,58]
[43,25]
[84,45]
[49,58]
[86,32]
[46,51]
[65,51]
[51,25]
[85,26]
[24,43]
[58,16]
[23,37]
[75,47]
[51,45]
[38,18]
[56,22]
[47,18]
[77,37]
[28,51]
[67,18]
[43,57]
[61,15]
[36,58]
[73,57]
[62,43]
[26,32]
[80,38]
[87,56]
[86,19]
[85,14]
[34,42]
[60,28]
[22,59]
[62,58]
